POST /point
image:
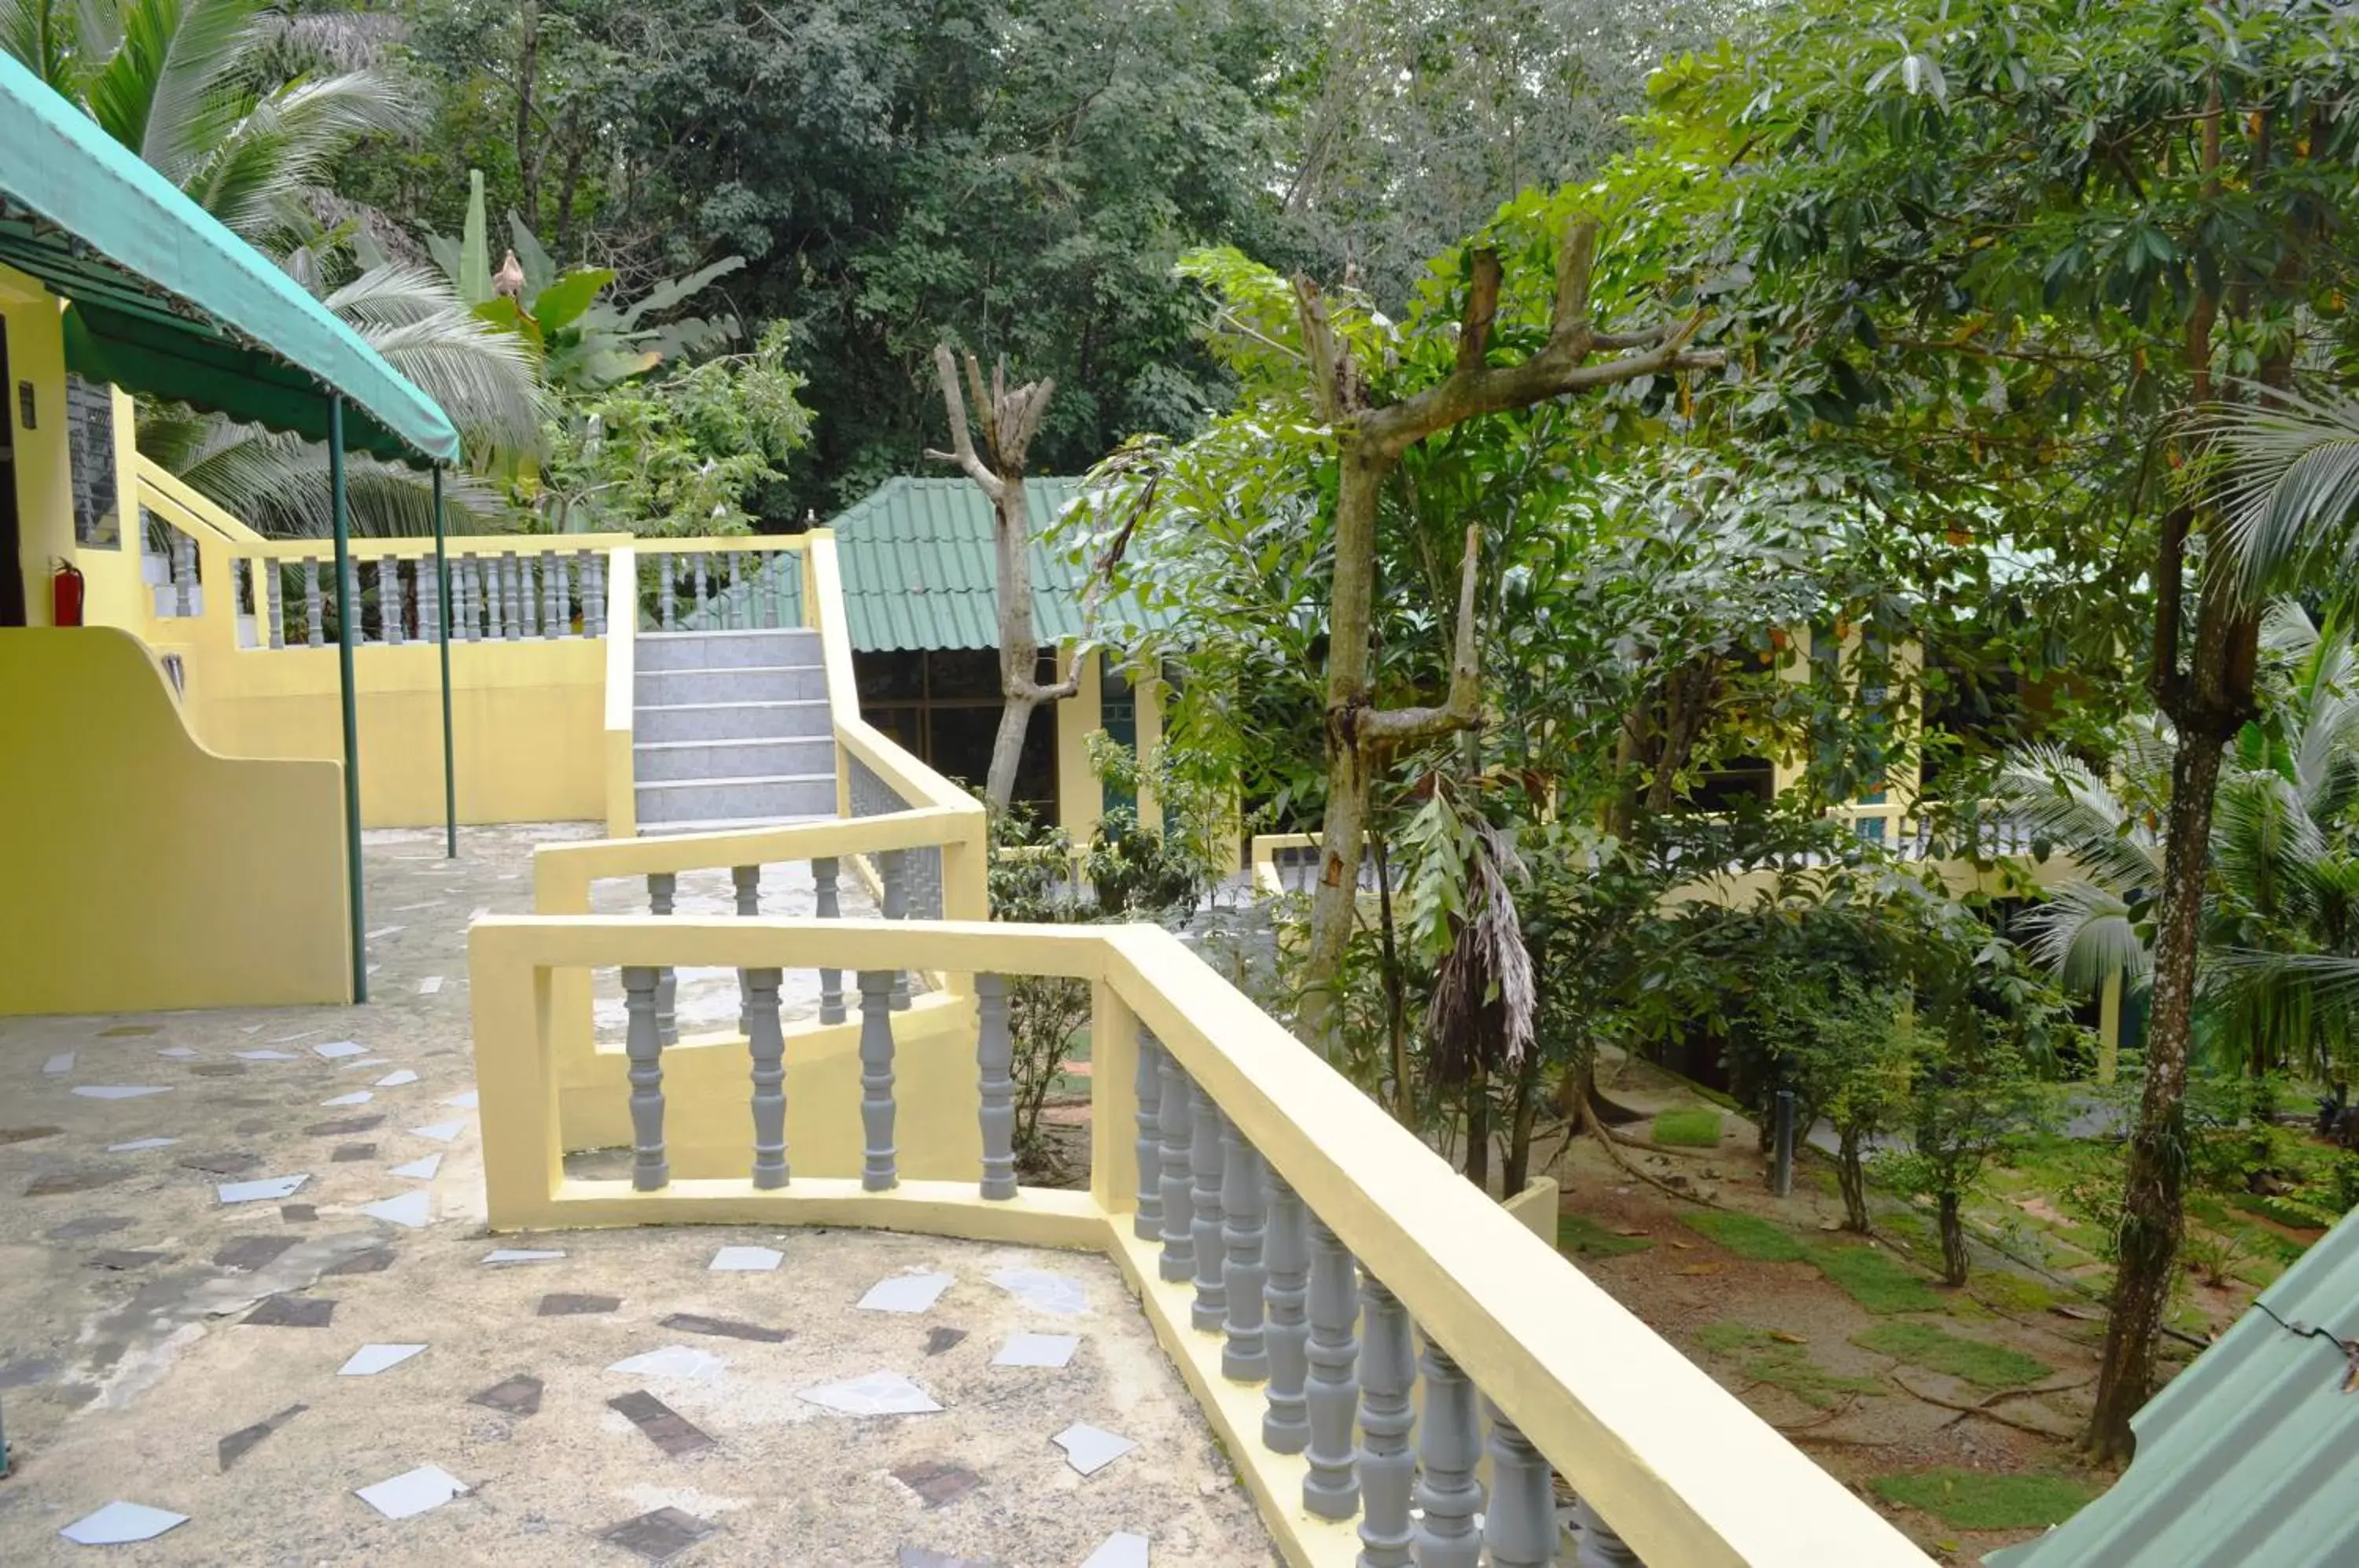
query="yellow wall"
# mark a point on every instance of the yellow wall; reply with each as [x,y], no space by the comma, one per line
[1081,800]
[137,870]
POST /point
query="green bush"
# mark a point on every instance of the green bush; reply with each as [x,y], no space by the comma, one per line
[1688,1129]
[1968,1499]
[1936,1350]
[1746,1235]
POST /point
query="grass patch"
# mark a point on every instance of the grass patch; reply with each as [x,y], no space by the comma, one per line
[1983,1366]
[1747,1235]
[2012,1292]
[1579,1233]
[2284,1211]
[1688,1129]
[1968,1499]
[1781,1364]
[1875,1279]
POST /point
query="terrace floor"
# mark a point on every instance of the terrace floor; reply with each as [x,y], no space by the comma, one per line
[140,1362]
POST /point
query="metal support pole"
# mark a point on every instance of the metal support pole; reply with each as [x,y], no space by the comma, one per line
[450,758]
[343,526]
[1781,1173]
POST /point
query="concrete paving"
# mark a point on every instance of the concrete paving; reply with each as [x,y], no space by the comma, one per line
[245,1365]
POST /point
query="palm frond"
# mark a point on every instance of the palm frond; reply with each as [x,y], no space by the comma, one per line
[277,484]
[167,90]
[484,378]
[45,39]
[2262,837]
[286,143]
[2291,492]
[2084,933]
[2060,799]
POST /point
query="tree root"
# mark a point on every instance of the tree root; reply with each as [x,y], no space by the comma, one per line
[1983,1411]
[1605,1136]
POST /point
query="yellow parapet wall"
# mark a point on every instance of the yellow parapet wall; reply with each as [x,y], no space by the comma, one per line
[139,871]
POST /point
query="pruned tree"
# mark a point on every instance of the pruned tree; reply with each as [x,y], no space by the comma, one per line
[1581,354]
[1010,417]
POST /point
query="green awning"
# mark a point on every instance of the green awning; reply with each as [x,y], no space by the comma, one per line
[166,300]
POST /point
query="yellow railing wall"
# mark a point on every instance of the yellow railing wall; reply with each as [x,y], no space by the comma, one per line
[140,871]
[1679,1465]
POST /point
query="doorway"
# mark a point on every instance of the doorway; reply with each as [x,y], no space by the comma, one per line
[12,565]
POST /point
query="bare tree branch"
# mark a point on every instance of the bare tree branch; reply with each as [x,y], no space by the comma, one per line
[1462,707]
[961,443]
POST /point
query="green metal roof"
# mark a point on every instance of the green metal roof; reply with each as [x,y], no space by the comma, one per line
[167,300]
[916,558]
[2249,1458]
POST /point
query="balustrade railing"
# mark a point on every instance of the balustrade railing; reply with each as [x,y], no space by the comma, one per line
[738,582]
[500,591]
[1317,1272]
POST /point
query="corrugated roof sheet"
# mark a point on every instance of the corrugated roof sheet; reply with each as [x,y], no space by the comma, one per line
[2250,1457]
[916,558]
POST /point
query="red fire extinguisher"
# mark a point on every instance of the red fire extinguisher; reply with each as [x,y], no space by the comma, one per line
[65,595]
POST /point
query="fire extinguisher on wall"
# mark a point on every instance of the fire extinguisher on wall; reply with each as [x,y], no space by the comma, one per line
[65,595]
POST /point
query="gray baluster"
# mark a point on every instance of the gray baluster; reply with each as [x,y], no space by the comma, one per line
[556,597]
[736,600]
[1331,1391]
[429,603]
[392,605]
[994,1054]
[747,880]
[184,573]
[767,1045]
[1146,1224]
[661,887]
[1204,1160]
[481,613]
[1388,1371]
[594,593]
[1286,1425]
[494,601]
[702,592]
[315,630]
[276,588]
[663,590]
[353,598]
[1245,1358]
[893,870]
[516,600]
[644,1042]
[1520,1526]
[462,599]
[1179,1261]
[877,1165]
[1600,1546]
[824,903]
[1448,1449]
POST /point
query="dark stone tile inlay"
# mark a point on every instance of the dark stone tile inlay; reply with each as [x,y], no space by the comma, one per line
[121,1030]
[218,1070]
[252,1251]
[26,1134]
[344,1128]
[26,1371]
[927,1557]
[228,1162]
[55,1183]
[660,1536]
[291,1312]
[567,1304]
[297,1214]
[519,1396]
[376,1260]
[937,1481]
[234,1447]
[727,1328]
[665,1427]
[88,1225]
[121,1261]
[348,1152]
[253,1125]
[942,1339]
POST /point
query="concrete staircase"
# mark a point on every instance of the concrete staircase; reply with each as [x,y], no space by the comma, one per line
[730,729]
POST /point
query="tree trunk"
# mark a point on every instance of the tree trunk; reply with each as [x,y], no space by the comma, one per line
[1517,1170]
[1396,1003]
[1953,1240]
[1850,1175]
[527,68]
[1007,752]
[1478,1127]
[1334,903]
[2151,1221]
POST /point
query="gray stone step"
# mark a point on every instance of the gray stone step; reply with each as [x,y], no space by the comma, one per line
[726,651]
[664,761]
[741,683]
[806,716]
[727,825]
[767,798]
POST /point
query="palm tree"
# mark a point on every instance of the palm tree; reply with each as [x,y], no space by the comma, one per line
[186,85]
[2282,907]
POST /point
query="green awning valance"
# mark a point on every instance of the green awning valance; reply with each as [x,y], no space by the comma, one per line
[168,302]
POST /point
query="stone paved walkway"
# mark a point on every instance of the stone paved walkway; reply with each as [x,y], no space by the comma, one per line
[623,1402]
